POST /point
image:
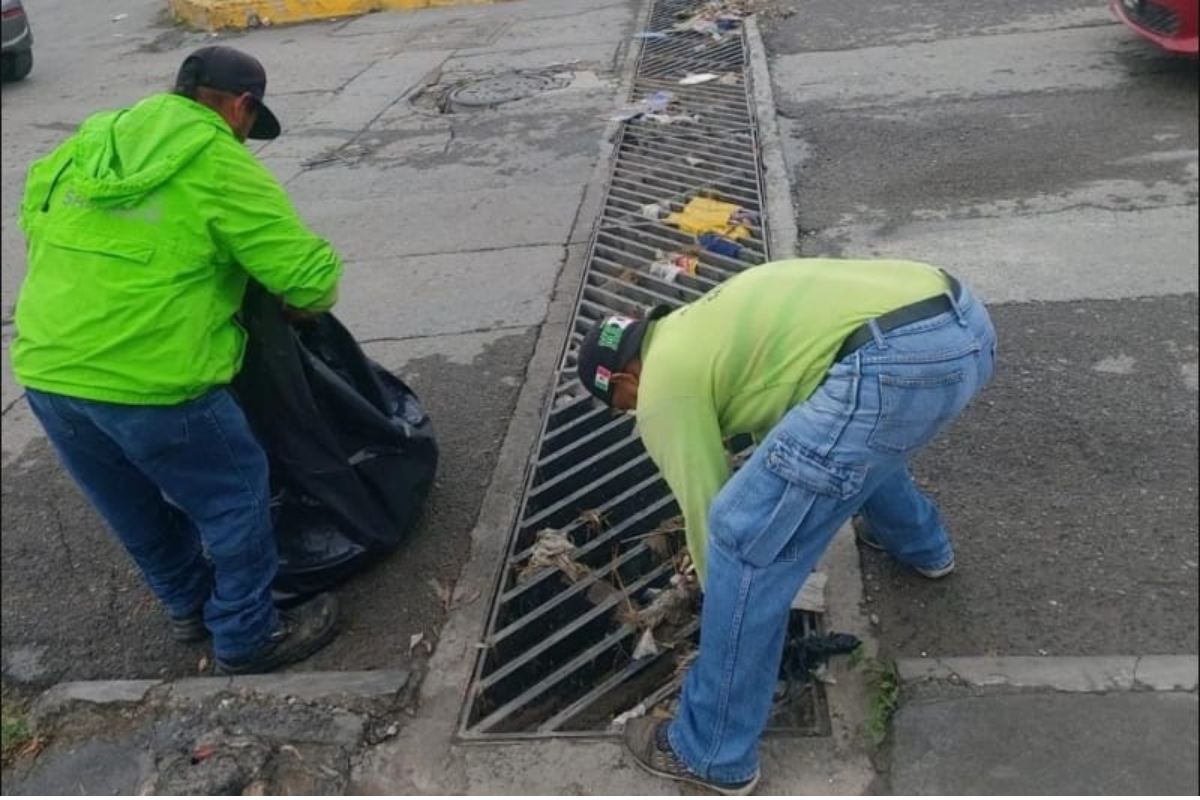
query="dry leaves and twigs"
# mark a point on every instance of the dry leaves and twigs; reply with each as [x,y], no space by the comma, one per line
[552,550]
[675,605]
[664,540]
[33,748]
[453,596]
[594,520]
[419,640]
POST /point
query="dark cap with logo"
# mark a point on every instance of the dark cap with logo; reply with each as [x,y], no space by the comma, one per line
[228,70]
[609,347]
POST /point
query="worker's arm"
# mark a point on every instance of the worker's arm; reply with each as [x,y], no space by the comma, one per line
[683,437]
[264,234]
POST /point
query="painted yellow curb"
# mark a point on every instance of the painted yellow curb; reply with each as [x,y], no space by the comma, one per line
[211,15]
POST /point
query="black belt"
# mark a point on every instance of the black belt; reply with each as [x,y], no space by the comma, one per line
[906,315]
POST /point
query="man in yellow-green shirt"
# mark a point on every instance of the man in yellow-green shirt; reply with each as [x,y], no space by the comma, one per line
[841,370]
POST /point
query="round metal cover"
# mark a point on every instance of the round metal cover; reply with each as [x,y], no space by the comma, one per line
[501,89]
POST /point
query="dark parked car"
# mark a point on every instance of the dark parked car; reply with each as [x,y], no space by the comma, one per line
[17,46]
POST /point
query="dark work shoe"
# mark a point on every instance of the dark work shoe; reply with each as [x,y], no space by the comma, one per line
[300,633]
[647,741]
[189,629]
[862,532]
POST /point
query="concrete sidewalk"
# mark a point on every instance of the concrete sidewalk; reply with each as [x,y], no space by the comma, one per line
[1015,726]
[1037,726]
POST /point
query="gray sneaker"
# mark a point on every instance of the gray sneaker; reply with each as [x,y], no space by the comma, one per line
[647,741]
[300,633]
[862,532]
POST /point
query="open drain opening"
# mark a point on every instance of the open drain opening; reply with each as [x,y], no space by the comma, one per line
[598,543]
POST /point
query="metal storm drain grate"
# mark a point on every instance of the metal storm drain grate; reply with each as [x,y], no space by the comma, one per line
[592,563]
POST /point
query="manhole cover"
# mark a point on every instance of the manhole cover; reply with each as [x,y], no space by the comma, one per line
[487,92]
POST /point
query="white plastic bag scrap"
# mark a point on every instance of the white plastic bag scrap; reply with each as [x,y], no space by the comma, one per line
[653,211]
[646,646]
[618,723]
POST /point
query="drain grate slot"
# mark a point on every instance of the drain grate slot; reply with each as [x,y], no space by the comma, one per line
[557,658]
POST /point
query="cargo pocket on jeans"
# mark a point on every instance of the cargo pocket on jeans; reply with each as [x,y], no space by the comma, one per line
[807,479]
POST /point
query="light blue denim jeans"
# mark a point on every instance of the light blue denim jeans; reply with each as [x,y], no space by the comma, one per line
[844,449]
[209,547]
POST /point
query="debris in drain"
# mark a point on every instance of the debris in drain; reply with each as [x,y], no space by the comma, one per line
[666,539]
[695,80]
[669,266]
[653,211]
[803,656]
[671,119]
[656,103]
[646,646]
[674,605]
[653,36]
[618,723]
[552,550]
[704,215]
[719,245]
[716,18]
[811,596]
[595,521]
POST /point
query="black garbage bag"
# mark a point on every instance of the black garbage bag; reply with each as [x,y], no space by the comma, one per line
[352,452]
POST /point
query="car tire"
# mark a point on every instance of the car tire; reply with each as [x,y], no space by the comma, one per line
[17,65]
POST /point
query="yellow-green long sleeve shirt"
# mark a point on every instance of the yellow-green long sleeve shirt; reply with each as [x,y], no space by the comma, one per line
[739,358]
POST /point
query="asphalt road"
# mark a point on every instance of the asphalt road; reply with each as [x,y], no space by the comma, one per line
[1048,156]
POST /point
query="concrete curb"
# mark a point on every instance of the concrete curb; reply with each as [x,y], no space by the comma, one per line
[848,696]
[214,15]
[308,686]
[782,241]
[425,758]
[1064,674]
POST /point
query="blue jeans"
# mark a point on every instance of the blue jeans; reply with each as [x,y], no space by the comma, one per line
[185,488]
[842,450]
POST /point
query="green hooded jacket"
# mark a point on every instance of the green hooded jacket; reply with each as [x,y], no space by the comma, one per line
[143,229]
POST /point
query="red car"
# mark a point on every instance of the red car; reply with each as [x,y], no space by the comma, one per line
[1171,24]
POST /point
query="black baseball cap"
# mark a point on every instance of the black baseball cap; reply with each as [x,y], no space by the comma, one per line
[609,347]
[228,70]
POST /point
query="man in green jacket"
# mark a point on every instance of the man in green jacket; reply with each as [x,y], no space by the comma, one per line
[143,229]
[841,370]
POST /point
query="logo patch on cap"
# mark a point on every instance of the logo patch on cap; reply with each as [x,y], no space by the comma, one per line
[603,374]
[613,331]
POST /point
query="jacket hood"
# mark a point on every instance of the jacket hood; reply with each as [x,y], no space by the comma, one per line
[121,156]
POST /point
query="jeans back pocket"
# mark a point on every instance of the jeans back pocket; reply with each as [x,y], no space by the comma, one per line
[915,405]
